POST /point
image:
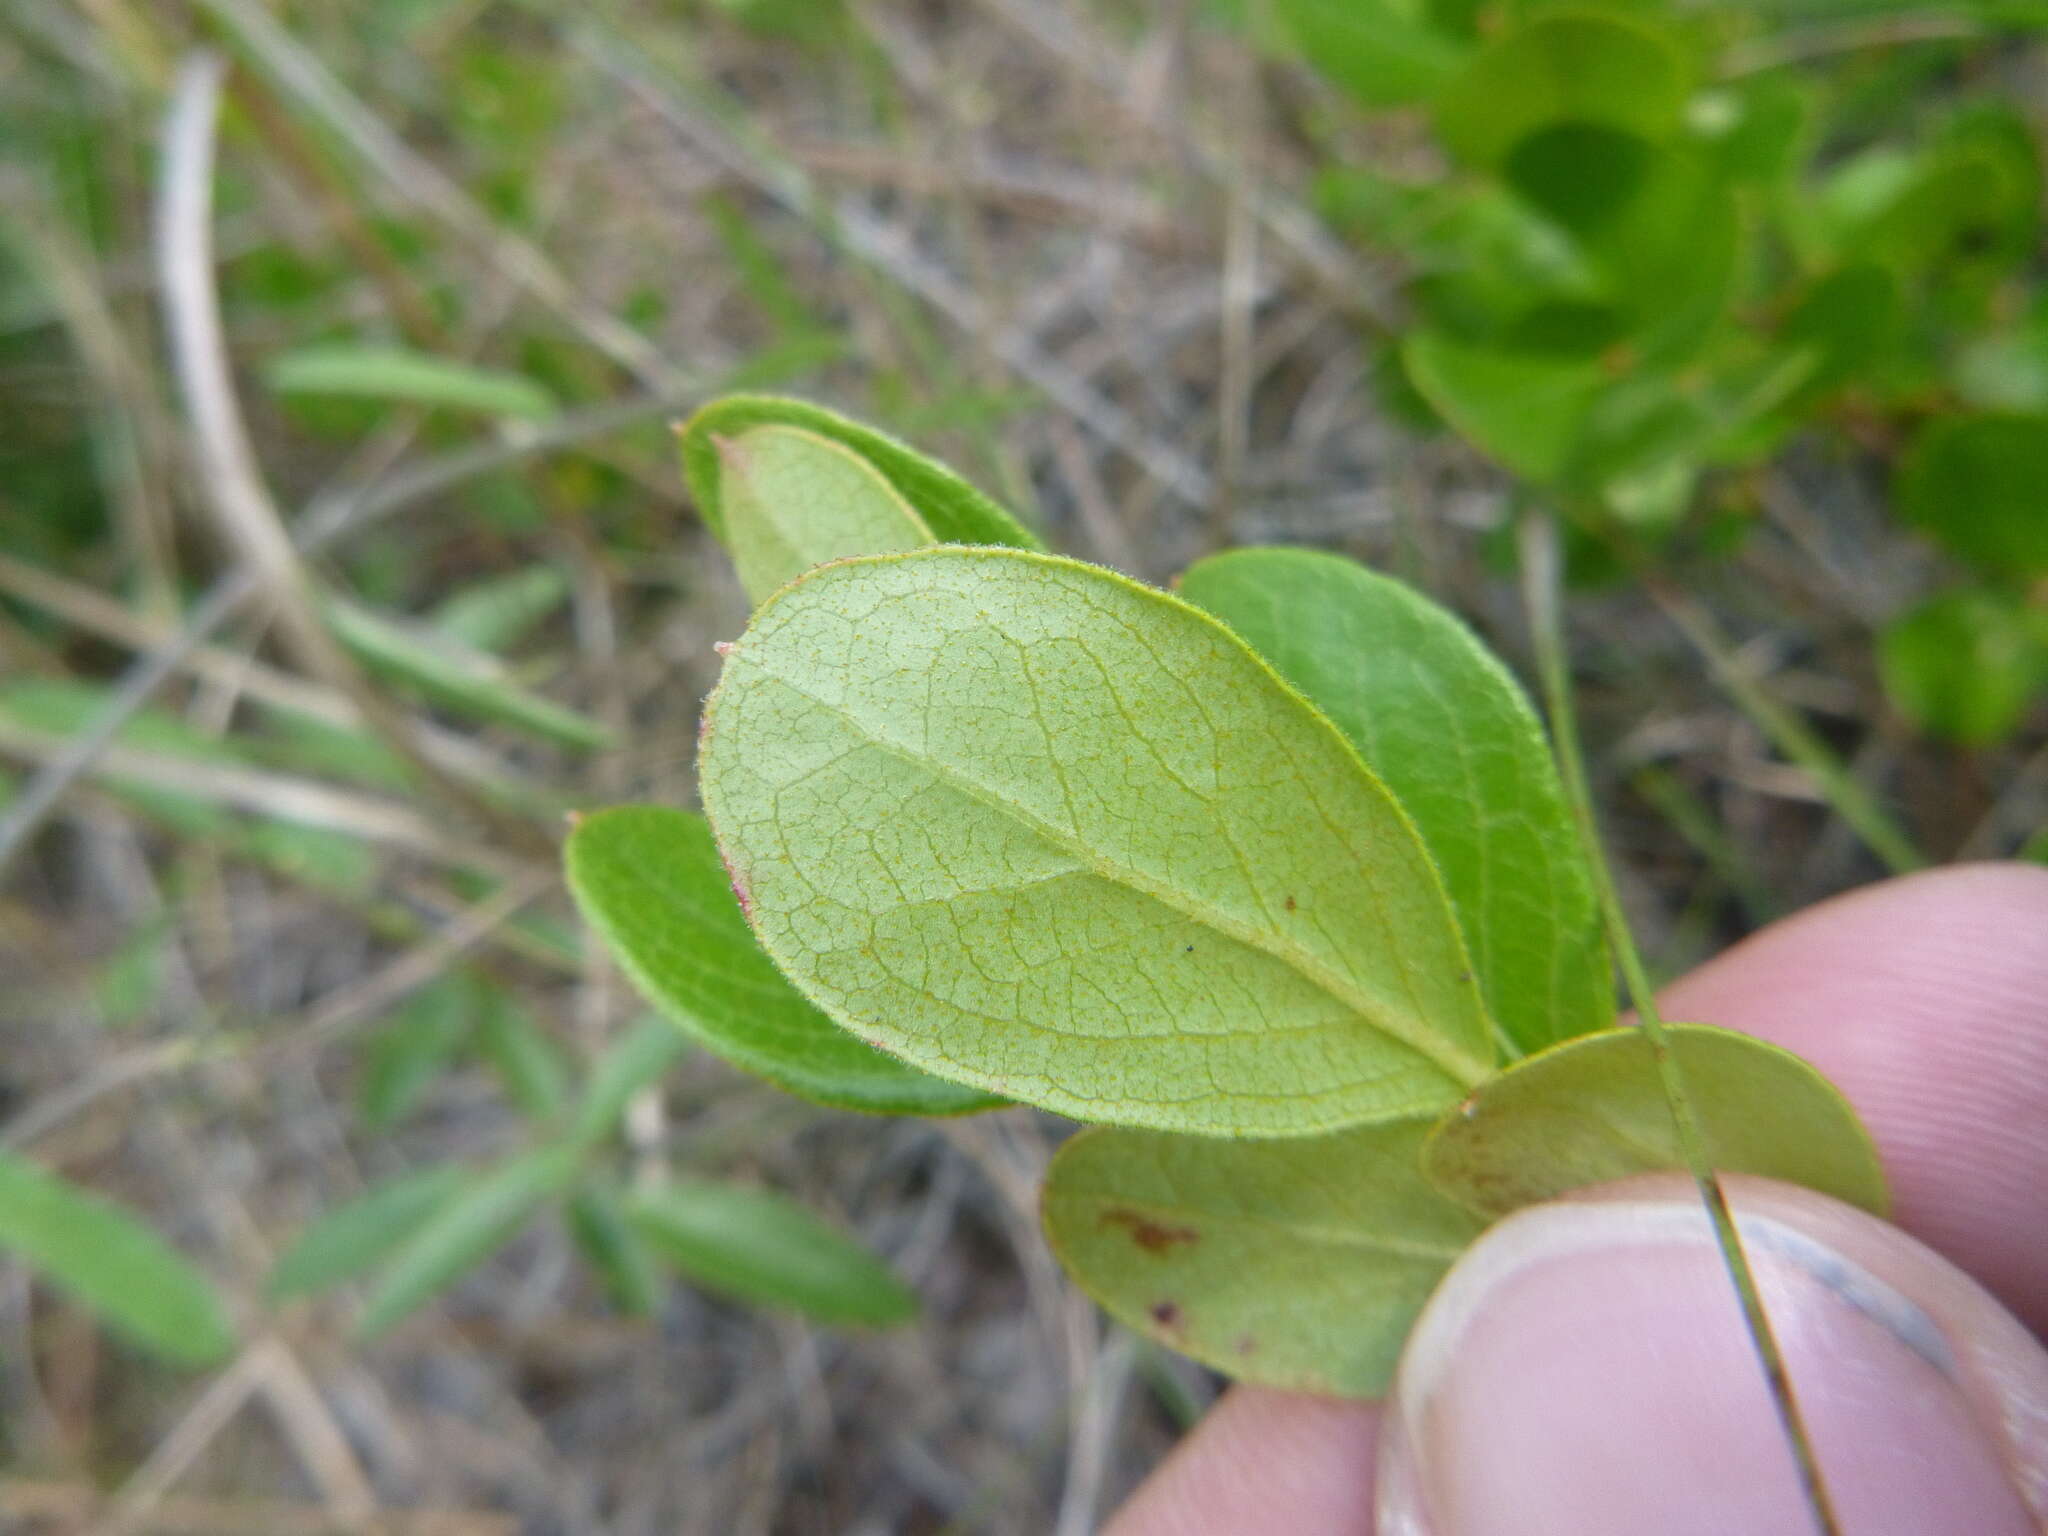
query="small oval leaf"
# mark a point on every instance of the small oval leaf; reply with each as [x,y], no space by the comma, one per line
[650,880]
[759,1247]
[1296,1264]
[1607,71]
[1037,828]
[1440,720]
[113,1265]
[1594,1109]
[954,511]
[793,499]
[1975,483]
[1528,410]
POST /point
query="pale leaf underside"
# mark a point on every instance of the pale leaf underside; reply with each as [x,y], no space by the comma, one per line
[1037,828]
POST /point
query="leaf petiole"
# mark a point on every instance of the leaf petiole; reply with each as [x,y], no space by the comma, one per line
[1541,581]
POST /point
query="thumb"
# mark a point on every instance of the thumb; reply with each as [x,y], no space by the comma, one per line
[1585,1369]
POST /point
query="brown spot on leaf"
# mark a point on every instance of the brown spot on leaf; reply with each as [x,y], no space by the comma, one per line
[1152,1236]
[1246,1344]
[1290,903]
[1166,1315]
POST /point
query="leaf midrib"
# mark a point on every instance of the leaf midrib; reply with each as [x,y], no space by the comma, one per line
[1439,1053]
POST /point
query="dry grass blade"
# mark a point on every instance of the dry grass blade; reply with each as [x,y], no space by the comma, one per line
[229,475]
[891,251]
[306,80]
[326,520]
[307,802]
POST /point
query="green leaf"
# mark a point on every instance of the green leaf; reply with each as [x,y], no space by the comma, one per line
[598,1226]
[2006,372]
[1563,67]
[1379,50]
[758,1247]
[413,378]
[469,681]
[1757,130]
[113,1265]
[1525,410]
[466,1228]
[402,1059]
[497,612]
[625,1066]
[352,1237]
[953,510]
[1594,1109]
[1451,733]
[1848,319]
[1296,1264]
[1979,484]
[1967,664]
[792,499]
[527,1061]
[1035,827]
[651,882]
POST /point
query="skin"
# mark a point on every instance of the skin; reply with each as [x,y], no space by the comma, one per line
[1925,1000]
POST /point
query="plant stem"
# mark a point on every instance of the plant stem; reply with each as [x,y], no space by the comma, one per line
[1540,583]
[1791,735]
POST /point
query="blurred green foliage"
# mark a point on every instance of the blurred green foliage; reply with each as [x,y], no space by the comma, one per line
[1665,240]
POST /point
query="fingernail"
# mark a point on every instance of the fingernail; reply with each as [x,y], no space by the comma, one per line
[1585,1369]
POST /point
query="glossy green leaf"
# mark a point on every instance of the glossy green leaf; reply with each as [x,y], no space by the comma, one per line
[758,1247]
[355,1236]
[792,499]
[651,882]
[527,1062]
[410,378]
[402,1059]
[1451,733]
[1523,409]
[113,1265]
[1594,1109]
[1979,484]
[1967,664]
[466,1228]
[1296,1264]
[952,509]
[1563,67]
[598,1227]
[632,1062]
[1037,828]
[1386,53]
[456,676]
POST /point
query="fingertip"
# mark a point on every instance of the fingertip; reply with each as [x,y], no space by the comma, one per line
[1585,1368]
[1263,1461]
[1925,1000]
